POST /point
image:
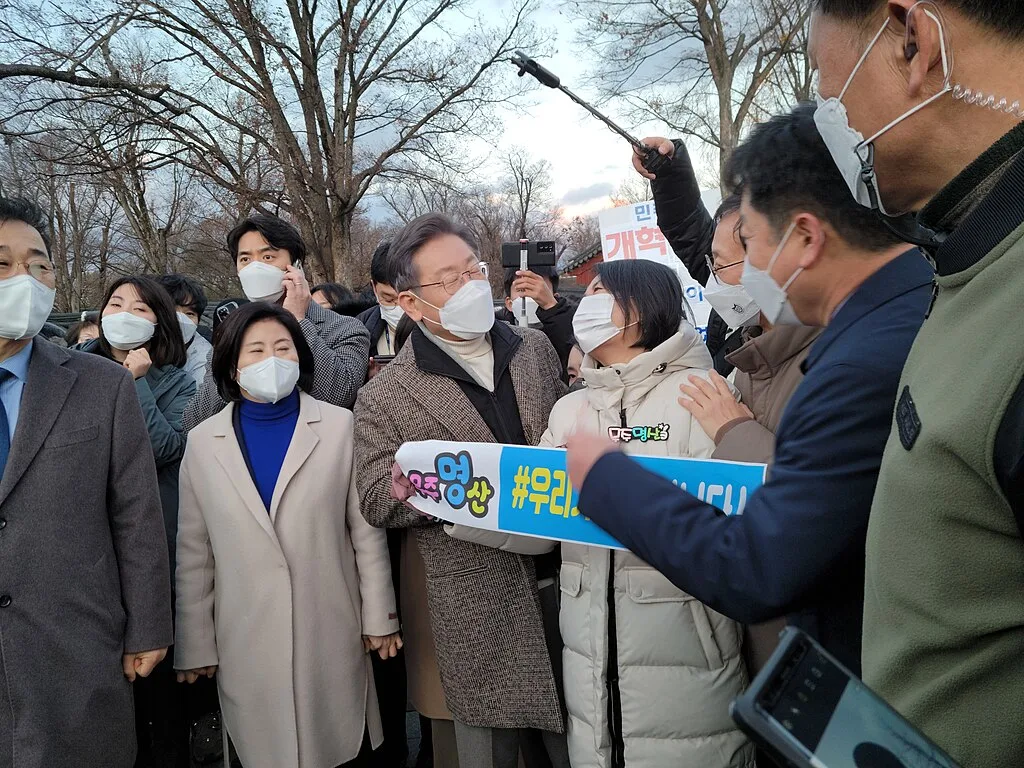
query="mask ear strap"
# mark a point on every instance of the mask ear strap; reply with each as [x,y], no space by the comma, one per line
[782,244]
[863,58]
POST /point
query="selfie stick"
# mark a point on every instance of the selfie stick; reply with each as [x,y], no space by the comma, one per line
[524,265]
[653,160]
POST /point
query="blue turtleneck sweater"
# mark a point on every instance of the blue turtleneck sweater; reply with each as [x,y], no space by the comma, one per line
[267,429]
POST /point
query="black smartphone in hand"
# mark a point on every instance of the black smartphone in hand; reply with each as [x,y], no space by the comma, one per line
[808,711]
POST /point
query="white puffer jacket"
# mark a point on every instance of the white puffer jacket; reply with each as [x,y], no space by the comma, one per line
[679,662]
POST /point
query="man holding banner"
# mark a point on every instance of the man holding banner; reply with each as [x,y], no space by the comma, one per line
[814,256]
[462,377]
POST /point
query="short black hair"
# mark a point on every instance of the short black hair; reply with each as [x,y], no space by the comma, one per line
[649,294]
[184,291]
[730,204]
[400,268]
[167,347]
[1003,16]
[75,329]
[336,293]
[276,231]
[550,273]
[378,263]
[785,169]
[227,345]
[27,212]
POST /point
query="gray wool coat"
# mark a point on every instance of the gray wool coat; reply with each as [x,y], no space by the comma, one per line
[484,606]
[84,575]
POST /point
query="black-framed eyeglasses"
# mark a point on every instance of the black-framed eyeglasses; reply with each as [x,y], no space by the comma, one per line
[717,270]
[452,283]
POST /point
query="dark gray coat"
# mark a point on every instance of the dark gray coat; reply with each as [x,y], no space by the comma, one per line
[83,567]
[164,392]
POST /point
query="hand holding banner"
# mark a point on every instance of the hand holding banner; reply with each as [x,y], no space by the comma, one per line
[526,491]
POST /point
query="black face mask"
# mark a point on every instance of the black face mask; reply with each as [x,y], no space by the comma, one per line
[580,384]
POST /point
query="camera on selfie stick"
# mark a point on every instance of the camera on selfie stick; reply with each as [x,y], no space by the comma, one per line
[652,159]
[526,254]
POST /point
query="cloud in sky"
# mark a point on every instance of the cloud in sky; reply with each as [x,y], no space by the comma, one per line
[590,192]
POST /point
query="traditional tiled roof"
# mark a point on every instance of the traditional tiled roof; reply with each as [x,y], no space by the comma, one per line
[579,259]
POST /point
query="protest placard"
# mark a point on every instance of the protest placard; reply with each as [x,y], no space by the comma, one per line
[631,232]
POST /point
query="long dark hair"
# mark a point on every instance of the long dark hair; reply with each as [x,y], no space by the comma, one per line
[167,347]
[649,293]
[227,345]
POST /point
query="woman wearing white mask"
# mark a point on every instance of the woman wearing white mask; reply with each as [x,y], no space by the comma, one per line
[649,672]
[279,594]
[139,329]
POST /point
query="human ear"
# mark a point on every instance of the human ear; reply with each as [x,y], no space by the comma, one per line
[924,46]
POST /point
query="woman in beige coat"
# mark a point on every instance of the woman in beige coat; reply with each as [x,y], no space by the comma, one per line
[282,586]
[649,671]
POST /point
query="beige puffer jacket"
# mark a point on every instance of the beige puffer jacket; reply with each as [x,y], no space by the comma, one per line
[679,662]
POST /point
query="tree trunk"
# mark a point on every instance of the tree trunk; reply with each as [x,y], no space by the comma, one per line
[341,247]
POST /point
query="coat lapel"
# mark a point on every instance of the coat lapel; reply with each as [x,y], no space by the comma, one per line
[445,401]
[304,440]
[46,389]
[229,455]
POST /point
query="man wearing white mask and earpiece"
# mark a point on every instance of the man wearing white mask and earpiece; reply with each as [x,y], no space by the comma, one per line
[813,256]
[462,376]
[85,591]
[921,109]
[269,253]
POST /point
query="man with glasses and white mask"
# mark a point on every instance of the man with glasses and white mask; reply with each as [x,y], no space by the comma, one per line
[921,109]
[85,597]
[463,377]
[815,257]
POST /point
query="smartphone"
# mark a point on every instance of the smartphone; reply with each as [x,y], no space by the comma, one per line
[539,253]
[808,711]
[382,360]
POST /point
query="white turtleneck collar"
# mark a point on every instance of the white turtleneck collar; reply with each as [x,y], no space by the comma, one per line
[476,356]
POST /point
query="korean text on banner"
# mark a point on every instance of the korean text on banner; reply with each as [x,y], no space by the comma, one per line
[631,232]
[526,491]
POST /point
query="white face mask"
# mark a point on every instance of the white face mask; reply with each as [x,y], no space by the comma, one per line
[262,282]
[531,311]
[392,315]
[732,303]
[853,155]
[469,314]
[592,324]
[25,303]
[270,380]
[188,328]
[126,331]
[770,297]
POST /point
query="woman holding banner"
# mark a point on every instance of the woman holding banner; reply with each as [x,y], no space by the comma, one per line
[649,672]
